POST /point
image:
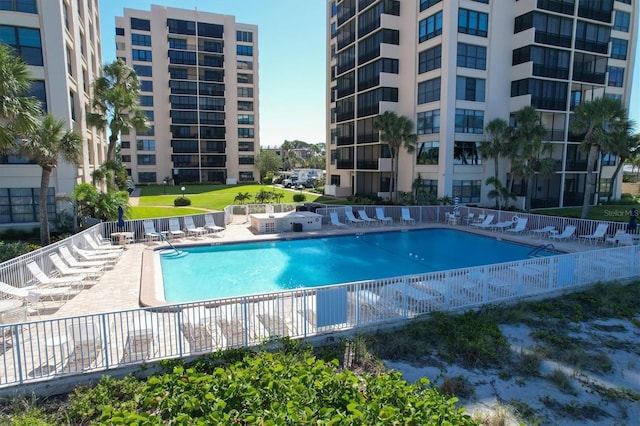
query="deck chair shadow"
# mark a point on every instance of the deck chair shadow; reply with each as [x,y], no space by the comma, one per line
[85,345]
[140,345]
[335,221]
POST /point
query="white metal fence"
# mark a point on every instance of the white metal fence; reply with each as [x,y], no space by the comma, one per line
[41,350]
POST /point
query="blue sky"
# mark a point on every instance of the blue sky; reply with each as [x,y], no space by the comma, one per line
[292,60]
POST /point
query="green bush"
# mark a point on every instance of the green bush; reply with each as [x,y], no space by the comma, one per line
[181,202]
[286,388]
[11,250]
[298,198]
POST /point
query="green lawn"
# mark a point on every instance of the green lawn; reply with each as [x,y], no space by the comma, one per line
[616,213]
[148,212]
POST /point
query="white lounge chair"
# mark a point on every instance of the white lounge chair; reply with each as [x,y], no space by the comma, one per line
[92,255]
[335,221]
[598,235]
[470,218]
[150,232]
[521,226]
[352,219]
[363,215]
[381,216]
[174,228]
[65,269]
[191,228]
[210,225]
[47,280]
[551,230]
[486,223]
[33,294]
[406,217]
[615,239]
[75,263]
[98,248]
[566,234]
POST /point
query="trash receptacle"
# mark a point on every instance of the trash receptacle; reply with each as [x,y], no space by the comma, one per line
[297,227]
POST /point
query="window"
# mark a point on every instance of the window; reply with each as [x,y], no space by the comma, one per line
[244,50]
[618,48]
[146,101]
[621,22]
[471,56]
[245,92]
[119,31]
[24,6]
[140,39]
[245,159]
[210,30]
[429,91]
[39,92]
[69,61]
[244,65]
[19,205]
[149,132]
[26,42]
[245,133]
[428,122]
[616,76]
[142,70]
[335,180]
[149,114]
[147,177]
[146,85]
[125,158]
[141,55]
[430,27]
[72,105]
[146,145]
[245,78]
[473,22]
[470,89]
[592,37]
[245,118]
[182,57]
[467,190]
[469,121]
[430,59]
[244,36]
[466,153]
[246,176]
[245,106]
[427,153]
[177,26]
[147,160]
[140,24]
[245,146]
[426,4]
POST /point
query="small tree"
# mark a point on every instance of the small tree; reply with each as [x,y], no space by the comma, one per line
[499,192]
[242,197]
[49,142]
[268,162]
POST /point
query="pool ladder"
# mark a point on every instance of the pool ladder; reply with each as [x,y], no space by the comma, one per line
[169,242]
[536,252]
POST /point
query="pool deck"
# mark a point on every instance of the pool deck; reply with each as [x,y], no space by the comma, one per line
[120,288]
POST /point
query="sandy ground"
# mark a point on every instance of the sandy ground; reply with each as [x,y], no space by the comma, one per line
[590,398]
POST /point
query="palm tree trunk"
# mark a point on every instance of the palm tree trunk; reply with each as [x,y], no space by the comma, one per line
[394,172]
[45,239]
[614,176]
[590,185]
[530,189]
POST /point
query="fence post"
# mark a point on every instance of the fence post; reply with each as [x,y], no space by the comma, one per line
[18,361]
[245,321]
[105,339]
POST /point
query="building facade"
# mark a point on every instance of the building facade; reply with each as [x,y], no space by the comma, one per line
[452,67]
[60,42]
[199,78]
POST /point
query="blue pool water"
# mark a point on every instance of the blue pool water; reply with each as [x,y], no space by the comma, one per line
[212,272]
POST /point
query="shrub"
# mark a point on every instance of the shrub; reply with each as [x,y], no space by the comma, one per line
[181,202]
[298,198]
[11,250]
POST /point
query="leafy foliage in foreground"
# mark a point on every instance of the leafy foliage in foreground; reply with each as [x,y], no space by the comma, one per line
[287,388]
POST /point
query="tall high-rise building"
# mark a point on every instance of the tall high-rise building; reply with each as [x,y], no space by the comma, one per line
[60,41]
[452,67]
[199,76]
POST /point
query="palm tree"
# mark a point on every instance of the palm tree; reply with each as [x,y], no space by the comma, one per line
[600,120]
[529,149]
[626,147]
[499,192]
[499,133]
[242,197]
[45,146]
[18,113]
[397,132]
[116,103]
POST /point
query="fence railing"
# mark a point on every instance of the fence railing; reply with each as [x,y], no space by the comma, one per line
[44,349]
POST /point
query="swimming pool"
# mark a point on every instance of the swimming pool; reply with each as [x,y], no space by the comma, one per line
[213,272]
